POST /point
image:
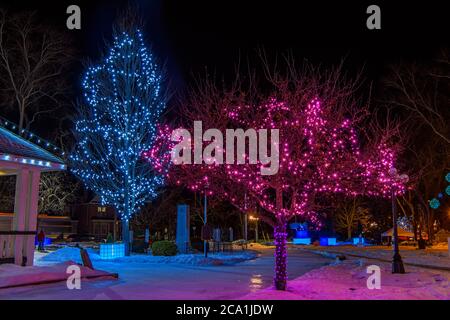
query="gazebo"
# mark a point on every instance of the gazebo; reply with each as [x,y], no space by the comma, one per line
[24,156]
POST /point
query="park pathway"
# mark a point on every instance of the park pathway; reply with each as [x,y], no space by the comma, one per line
[170,281]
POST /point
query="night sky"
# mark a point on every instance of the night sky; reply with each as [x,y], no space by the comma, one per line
[192,36]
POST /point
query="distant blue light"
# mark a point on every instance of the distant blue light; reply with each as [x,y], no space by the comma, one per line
[47,241]
[301,234]
[356,241]
[327,241]
[304,241]
[112,250]
[434,203]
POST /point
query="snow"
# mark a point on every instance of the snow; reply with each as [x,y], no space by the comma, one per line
[435,257]
[222,258]
[173,281]
[12,275]
[52,266]
[440,246]
[190,277]
[259,246]
[348,281]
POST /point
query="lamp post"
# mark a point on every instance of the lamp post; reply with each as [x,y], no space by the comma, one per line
[256,226]
[245,217]
[397,263]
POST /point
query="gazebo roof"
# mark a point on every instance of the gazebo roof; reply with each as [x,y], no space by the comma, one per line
[14,148]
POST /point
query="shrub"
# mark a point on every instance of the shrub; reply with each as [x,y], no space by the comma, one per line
[109,238]
[164,248]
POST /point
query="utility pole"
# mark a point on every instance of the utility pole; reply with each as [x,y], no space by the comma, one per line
[397,263]
[245,217]
[256,230]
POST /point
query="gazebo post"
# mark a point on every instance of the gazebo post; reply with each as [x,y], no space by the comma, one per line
[19,213]
[26,160]
[25,214]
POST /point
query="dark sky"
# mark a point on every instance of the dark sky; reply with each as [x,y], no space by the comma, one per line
[190,35]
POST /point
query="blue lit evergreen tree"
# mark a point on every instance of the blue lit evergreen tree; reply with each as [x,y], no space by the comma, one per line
[123,100]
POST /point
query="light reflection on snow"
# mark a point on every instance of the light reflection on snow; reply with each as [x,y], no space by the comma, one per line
[256,282]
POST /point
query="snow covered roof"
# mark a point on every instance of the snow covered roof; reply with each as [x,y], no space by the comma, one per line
[14,148]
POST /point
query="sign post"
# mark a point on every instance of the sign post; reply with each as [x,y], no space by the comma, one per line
[205,219]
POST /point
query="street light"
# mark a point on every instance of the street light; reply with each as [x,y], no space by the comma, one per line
[245,217]
[397,263]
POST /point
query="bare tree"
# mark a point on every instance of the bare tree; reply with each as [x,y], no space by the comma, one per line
[419,93]
[422,89]
[158,213]
[34,60]
[7,191]
[56,191]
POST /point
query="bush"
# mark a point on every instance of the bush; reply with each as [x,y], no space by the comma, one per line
[164,248]
[109,238]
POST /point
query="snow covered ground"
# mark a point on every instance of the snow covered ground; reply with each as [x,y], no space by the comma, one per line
[259,246]
[191,277]
[433,257]
[348,281]
[73,254]
[168,281]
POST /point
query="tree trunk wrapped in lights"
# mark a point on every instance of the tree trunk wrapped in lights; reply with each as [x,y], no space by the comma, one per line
[124,99]
[280,237]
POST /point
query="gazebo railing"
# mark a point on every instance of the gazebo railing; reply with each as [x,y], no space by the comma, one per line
[7,243]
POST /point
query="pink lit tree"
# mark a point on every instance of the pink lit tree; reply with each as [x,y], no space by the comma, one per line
[319,150]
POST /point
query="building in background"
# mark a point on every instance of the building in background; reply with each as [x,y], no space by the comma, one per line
[92,218]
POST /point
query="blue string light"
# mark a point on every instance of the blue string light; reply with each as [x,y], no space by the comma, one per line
[123,105]
[11,126]
[435,203]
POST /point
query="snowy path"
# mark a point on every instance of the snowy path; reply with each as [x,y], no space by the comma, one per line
[433,258]
[348,281]
[176,281]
